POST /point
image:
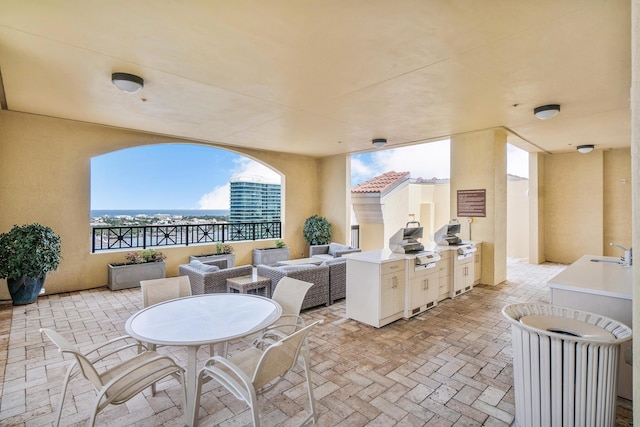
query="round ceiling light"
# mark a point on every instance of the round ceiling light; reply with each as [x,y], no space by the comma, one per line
[545,112]
[126,82]
[584,149]
[379,142]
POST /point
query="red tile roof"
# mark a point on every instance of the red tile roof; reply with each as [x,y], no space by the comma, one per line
[380,183]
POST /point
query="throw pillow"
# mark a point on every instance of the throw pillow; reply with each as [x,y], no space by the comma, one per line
[336,247]
[334,261]
[202,267]
[297,267]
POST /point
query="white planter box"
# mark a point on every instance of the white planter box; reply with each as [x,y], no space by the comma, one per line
[231,258]
[270,256]
[129,275]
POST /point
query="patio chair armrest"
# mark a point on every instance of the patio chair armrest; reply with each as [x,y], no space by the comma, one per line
[346,251]
[89,353]
[318,250]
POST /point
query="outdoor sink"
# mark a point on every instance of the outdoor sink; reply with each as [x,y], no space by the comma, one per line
[610,261]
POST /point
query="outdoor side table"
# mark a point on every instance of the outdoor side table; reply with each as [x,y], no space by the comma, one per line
[256,285]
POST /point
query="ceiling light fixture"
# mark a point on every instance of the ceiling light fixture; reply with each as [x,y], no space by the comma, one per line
[545,112]
[127,82]
[584,149]
[379,142]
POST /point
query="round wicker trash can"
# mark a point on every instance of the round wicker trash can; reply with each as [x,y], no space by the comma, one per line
[565,365]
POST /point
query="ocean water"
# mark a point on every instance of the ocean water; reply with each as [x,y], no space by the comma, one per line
[133,212]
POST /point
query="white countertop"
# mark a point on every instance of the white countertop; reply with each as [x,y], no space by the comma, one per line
[599,278]
[380,256]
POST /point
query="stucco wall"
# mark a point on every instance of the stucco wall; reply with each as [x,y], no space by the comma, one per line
[45,178]
[396,209]
[573,210]
[335,173]
[587,204]
[518,218]
[479,161]
[617,200]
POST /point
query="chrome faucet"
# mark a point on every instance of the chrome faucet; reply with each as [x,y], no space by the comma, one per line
[627,258]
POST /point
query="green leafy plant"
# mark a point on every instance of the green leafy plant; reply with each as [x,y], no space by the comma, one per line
[29,250]
[280,244]
[317,230]
[145,255]
[223,248]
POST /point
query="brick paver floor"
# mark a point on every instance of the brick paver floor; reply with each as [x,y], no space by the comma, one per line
[450,366]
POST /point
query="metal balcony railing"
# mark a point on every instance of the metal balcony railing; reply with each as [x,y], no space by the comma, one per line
[142,237]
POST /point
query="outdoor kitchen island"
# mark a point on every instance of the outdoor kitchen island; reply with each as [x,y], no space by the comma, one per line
[384,286]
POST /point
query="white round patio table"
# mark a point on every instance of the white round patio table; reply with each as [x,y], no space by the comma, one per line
[201,320]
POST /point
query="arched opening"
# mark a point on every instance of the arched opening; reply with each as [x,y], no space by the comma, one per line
[171,185]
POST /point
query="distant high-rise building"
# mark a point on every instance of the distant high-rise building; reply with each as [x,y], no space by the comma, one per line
[253,200]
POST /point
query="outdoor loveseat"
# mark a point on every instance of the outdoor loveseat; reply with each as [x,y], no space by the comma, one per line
[318,275]
[211,276]
[330,251]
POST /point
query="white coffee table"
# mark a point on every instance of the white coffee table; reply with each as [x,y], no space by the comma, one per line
[201,320]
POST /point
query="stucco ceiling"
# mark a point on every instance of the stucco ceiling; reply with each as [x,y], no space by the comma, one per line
[322,77]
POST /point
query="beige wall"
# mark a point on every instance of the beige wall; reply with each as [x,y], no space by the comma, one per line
[573,206]
[395,210]
[517,218]
[335,173]
[442,200]
[45,178]
[479,161]
[635,178]
[617,200]
[371,236]
[583,203]
[536,208]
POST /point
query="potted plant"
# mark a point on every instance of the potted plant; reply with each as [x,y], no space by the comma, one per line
[222,251]
[271,256]
[143,265]
[317,230]
[27,254]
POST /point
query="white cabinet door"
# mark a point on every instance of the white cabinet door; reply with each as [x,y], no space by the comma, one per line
[477,264]
[422,293]
[391,294]
[463,276]
[444,275]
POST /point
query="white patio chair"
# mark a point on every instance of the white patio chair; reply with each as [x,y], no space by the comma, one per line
[120,382]
[254,371]
[289,293]
[159,290]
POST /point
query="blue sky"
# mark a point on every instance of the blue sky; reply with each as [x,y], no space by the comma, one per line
[180,176]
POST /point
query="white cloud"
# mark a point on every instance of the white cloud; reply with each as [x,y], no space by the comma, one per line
[430,160]
[360,169]
[427,160]
[245,168]
[250,169]
[218,198]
